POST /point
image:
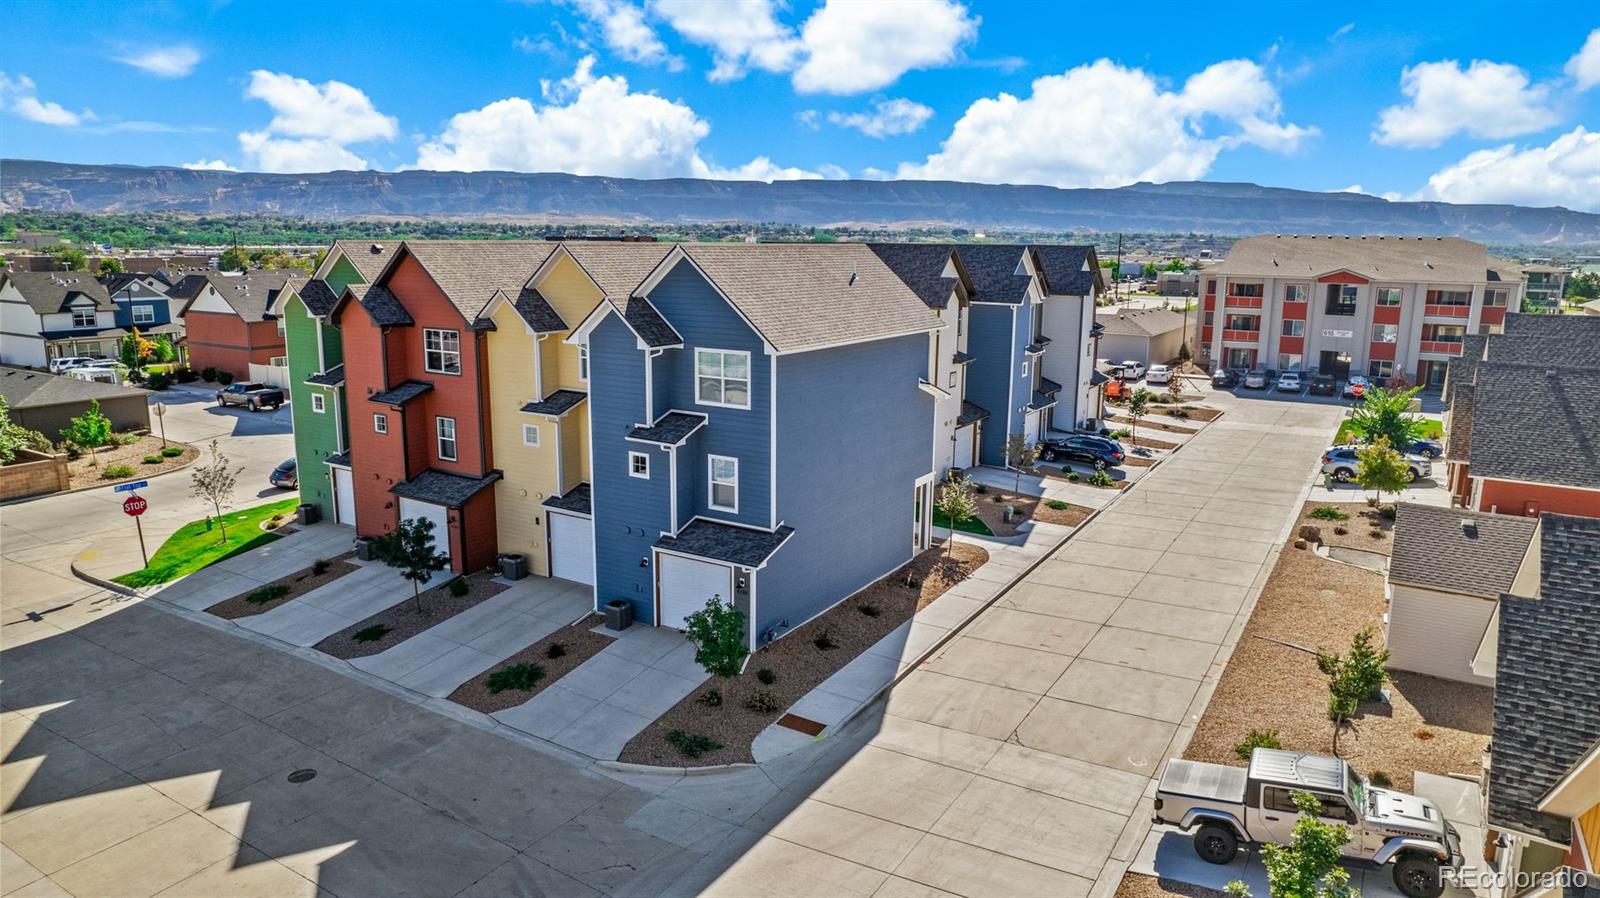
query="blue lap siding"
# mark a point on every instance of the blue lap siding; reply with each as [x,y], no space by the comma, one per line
[994,381]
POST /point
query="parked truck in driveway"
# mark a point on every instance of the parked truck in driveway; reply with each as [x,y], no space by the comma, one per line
[252,396]
[1225,807]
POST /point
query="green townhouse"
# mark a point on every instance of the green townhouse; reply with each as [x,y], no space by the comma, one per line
[316,374]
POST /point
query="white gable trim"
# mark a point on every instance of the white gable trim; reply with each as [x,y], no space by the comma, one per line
[496,301]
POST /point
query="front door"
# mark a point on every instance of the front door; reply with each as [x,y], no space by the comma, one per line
[344,496]
[1334,363]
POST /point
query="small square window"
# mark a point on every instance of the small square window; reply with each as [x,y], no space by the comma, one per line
[639,465]
[380,423]
[319,403]
[530,435]
[952,380]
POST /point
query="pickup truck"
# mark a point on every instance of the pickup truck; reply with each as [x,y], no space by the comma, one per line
[252,396]
[1229,806]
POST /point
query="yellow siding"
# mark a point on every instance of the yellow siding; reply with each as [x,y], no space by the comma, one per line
[529,473]
[575,447]
[573,296]
[1589,825]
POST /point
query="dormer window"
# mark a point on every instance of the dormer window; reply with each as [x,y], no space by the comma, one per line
[83,317]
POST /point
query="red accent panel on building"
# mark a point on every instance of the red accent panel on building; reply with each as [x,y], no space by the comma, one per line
[1205,335]
[1440,311]
[479,544]
[1510,497]
[227,343]
[1210,302]
[1342,277]
[1295,311]
[1386,315]
[1294,345]
[1244,302]
[1381,352]
[1440,346]
[1492,315]
[1241,336]
[377,459]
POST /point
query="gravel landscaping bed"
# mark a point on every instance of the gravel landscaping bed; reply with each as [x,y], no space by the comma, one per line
[798,663]
[1146,442]
[1434,725]
[1070,516]
[1365,529]
[405,620]
[992,509]
[1200,413]
[578,643]
[1138,462]
[292,587]
[1136,885]
[81,473]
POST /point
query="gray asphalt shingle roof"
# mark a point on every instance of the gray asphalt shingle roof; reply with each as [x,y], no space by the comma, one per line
[724,542]
[1069,270]
[255,295]
[1433,548]
[537,312]
[53,291]
[619,267]
[669,429]
[970,412]
[1440,260]
[1533,425]
[578,499]
[402,393]
[1559,326]
[1458,424]
[441,488]
[470,272]
[1140,322]
[922,267]
[381,305]
[1546,717]
[318,297]
[992,268]
[367,257]
[330,378]
[558,403]
[35,389]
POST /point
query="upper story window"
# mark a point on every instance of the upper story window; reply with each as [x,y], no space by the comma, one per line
[1296,293]
[1449,298]
[1341,300]
[724,483]
[583,362]
[1294,327]
[1495,298]
[144,314]
[1388,296]
[1211,286]
[722,377]
[1244,290]
[639,465]
[446,428]
[441,351]
[380,423]
[83,317]
[319,403]
[1385,333]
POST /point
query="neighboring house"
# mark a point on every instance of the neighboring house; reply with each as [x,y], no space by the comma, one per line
[1447,571]
[1545,285]
[233,322]
[46,315]
[761,419]
[143,302]
[1150,336]
[1178,283]
[315,350]
[1377,306]
[1542,792]
[48,402]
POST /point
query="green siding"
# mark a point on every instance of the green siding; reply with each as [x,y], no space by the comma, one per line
[316,435]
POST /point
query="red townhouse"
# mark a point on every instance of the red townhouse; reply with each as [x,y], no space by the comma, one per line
[417,387]
[233,321]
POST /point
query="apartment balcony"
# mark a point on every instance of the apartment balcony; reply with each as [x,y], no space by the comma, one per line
[1243,302]
[1234,336]
[1437,311]
[1440,347]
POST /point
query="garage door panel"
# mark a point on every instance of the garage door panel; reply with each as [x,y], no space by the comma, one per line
[572,548]
[438,514]
[686,584]
[1031,429]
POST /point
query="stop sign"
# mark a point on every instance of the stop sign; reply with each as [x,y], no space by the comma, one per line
[134,506]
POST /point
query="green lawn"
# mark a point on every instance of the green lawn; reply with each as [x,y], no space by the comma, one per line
[1433,431]
[194,547]
[970,525]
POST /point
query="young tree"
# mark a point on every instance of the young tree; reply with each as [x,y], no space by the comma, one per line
[70,258]
[1138,407]
[1384,413]
[717,632]
[1308,867]
[410,547]
[234,258]
[90,430]
[1177,265]
[109,266]
[214,483]
[1020,454]
[1352,678]
[1381,469]
[957,503]
[14,437]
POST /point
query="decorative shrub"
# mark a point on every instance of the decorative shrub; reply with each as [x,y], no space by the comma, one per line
[160,380]
[1257,739]
[997,498]
[152,459]
[766,676]
[172,451]
[711,698]
[271,525]
[1341,530]
[1179,413]
[762,700]
[371,634]
[1121,433]
[521,677]
[824,641]
[1102,479]
[980,487]
[458,587]
[112,472]
[1380,779]
[555,650]
[1057,504]
[265,594]
[224,377]
[1329,513]
[1073,476]
[208,374]
[1387,512]
[869,610]
[73,450]
[320,566]
[186,375]
[692,746]
[126,438]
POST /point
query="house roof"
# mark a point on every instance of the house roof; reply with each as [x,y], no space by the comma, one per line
[342,459]
[53,291]
[35,389]
[318,297]
[1460,370]
[578,499]
[1458,445]
[1455,550]
[330,378]
[441,488]
[254,295]
[558,403]
[381,305]
[1536,424]
[963,358]
[1040,401]
[1140,322]
[399,395]
[1069,270]
[992,268]
[725,542]
[922,267]
[1563,326]
[1048,386]
[367,257]
[617,268]
[470,272]
[669,429]
[1545,714]
[1447,260]
[188,285]
[970,412]
[538,312]
[1567,346]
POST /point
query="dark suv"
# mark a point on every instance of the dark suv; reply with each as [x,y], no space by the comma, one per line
[1098,451]
[1324,385]
[1225,379]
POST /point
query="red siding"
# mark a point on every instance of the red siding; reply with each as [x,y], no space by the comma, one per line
[1294,345]
[226,343]
[1295,311]
[1386,315]
[480,546]
[1509,497]
[377,460]
[1492,315]
[1342,277]
[1383,352]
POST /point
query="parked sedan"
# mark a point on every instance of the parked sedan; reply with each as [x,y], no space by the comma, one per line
[1255,380]
[285,475]
[1355,387]
[1158,374]
[1225,379]
[1289,382]
[1342,463]
[1100,452]
[1132,369]
[1323,385]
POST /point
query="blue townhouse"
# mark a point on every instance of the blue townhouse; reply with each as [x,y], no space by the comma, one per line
[761,429]
[142,302]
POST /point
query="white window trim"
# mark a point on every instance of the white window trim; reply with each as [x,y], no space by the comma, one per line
[583,362]
[319,403]
[1024,369]
[749,379]
[712,483]
[530,429]
[148,315]
[93,318]
[1299,321]
[633,472]
[380,423]
[439,440]
[442,351]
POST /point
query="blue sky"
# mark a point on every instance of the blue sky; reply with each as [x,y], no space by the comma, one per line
[1465,102]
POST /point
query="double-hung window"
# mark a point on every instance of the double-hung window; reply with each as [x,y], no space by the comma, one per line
[1388,296]
[83,318]
[583,362]
[441,351]
[1296,293]
[447,438]
[1385,333]
[724,483]
[639,465]
[319,403]
[1495,298]
[1294,327]
[380,423]
[722,377]
[144,314]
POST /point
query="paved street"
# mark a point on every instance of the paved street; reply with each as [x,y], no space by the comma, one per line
[148,754]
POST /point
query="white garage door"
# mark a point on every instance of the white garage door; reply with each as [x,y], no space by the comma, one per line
[438,514]
[1031,429]
[572,548]
[965,437]
[344,496]
[687,584]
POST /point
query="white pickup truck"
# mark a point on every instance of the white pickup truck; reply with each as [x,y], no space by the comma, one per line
[1229,806]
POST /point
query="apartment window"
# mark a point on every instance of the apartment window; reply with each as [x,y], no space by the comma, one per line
[1449,298]
[530,435]
[639,465]
[1495,298]
[583,362]
[281,326]
[1388,296]
[722,377]
[83,317]
[1211,286]
[1243,323]
[1252,290]
[446,428]
[1380,368]
[1289,361]
[380,423]
[147,314]
[1443,333]
[724,482]
[1294,327]
[1386,333]
[441,351]
[1341,300]
[319,403]
[1296,293]
[1209,317]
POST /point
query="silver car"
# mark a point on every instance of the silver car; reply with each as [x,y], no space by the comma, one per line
[1342,463]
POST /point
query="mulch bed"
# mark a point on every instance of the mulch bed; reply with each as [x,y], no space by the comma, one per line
[992,508]
[800,665]
[299,583]
[405,620]
[1139,462]
[1146,442]
[578,644]
[81,473]
[1071,516]
[1365,529]
[1137,885]
[1202,413]
[1434,725]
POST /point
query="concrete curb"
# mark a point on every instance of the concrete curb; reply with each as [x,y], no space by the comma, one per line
[87,577]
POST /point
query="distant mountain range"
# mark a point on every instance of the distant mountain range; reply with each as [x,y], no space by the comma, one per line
[1178,207]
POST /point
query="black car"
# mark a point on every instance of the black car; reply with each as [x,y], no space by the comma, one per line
[1324,385]
[1424,448]
[1097,451]
[1225,379]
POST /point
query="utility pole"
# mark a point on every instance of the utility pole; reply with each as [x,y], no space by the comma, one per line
[1116,279]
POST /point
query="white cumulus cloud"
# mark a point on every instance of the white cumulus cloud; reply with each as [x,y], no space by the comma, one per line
[856,46]
[1072,130]
[175,61]
[623,27]
[1584,67]
[20,97]
[1564,173]
[1490,100]
[888,117]
[209,165]
[741,34]
[312,124]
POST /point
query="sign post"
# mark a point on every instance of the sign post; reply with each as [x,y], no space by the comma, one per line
[133,507]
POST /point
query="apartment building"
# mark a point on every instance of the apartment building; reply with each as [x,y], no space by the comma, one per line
[1377,306]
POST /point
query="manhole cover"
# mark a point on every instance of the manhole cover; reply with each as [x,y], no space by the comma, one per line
[303,775]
